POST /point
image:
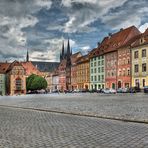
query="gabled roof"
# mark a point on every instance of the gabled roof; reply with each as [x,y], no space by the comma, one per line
[14,63]
[83,59]
[142,39]
[4,67]
[75,56]
[30,68]
[115,41]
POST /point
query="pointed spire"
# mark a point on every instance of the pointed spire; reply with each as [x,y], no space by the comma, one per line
[68,49]
[63,50]
[27,56]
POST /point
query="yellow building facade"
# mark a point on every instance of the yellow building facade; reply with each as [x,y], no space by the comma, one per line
[140,62]
[83,74]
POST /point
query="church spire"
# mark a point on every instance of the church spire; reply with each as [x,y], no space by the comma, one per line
[63,50]
[68,49]
[27,56]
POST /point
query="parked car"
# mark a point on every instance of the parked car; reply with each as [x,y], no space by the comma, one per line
[106,91]
[146,89]
[113,91]
[93,91]
[132,90]
[123,90]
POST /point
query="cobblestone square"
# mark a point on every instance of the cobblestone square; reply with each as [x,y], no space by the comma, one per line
[30,121]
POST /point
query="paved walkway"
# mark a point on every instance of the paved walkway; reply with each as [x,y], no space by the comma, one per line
[120,106]
[21,128]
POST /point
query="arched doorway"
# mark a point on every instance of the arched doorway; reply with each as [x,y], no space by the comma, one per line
[86,87]
[113,85]
[119,84]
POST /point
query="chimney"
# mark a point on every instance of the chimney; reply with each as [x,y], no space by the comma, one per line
[98,44]
[121,29]
[109,34]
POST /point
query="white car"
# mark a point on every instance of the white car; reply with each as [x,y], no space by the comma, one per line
[112,91]
[106,91]
[109,91]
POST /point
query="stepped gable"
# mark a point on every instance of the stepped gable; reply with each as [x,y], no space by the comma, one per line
[4,67]
[14,63]
[30,68]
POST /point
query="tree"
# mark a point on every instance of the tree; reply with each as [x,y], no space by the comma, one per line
[35,82]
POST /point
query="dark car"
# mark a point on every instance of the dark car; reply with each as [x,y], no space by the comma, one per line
[134,90]
[93,91]
[146,89]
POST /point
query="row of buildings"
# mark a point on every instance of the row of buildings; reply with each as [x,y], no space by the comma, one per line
[119,61]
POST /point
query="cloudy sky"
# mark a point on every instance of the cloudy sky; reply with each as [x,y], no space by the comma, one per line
[41,25]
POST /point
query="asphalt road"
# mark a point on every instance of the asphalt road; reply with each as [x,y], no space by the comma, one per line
[21,128]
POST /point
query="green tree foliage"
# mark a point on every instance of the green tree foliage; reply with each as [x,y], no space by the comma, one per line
[35,82]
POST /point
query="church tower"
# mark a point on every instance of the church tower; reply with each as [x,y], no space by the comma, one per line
[68,67]
[62,54]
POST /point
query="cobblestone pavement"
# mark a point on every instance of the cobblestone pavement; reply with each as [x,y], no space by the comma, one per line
[20,128]
[124,106]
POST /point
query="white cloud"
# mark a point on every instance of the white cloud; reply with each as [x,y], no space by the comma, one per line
[87,12]
[85,49]
[143,27]
[14,16]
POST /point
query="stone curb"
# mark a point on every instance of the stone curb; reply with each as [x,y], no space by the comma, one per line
[78,114]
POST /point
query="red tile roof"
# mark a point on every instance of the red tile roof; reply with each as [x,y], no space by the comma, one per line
[4,67]
[30,68]
[115,41]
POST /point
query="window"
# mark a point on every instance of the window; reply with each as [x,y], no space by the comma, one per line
[136,68]
[18,84]
[91,64]
[99,70]
[143,82]
[95,70]
[144,67]
[98,62]
[102,77]
[95,64]
[91,78]
[98,77]
[102,62]
[95,78]
[91,70]
[144,53]
[102,69]
[136,54]
[128,72]
[128,61]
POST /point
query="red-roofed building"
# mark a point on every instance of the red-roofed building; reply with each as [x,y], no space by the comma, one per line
[30,68]
[115,45]
[15,79]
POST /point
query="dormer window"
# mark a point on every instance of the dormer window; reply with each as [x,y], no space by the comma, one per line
[141,40]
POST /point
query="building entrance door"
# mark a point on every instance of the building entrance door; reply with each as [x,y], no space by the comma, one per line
[119,84]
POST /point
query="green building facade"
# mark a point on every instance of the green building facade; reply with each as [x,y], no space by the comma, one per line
[97,72]
[2,84]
